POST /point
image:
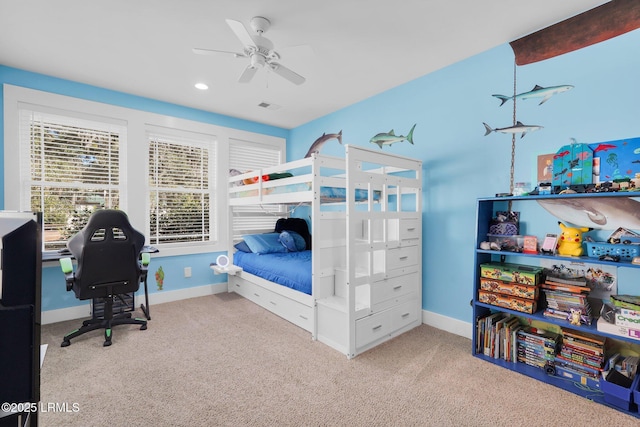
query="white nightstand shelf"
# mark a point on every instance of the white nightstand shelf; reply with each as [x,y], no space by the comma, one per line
[230,269]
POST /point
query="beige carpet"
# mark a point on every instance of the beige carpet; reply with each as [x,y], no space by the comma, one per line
[222,360]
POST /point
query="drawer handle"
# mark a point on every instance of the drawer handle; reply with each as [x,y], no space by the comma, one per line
[411,229]
[395,288]
[405,315]
[237,285]
[375,328]
[256,294]
[304,317]
[402,258]
[273,303]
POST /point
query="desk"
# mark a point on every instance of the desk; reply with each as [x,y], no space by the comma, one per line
[65,253]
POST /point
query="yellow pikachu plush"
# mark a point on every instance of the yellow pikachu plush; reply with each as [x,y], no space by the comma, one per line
[570,243]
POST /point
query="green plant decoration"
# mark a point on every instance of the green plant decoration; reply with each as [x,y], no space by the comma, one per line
[159,278]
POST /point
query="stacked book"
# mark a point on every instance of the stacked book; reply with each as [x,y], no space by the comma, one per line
[565,296]
[537,347]
[581,354]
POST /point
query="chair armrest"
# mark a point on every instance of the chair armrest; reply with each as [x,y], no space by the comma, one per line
[67,268]
[145,260]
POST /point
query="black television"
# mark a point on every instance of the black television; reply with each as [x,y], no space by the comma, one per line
[20,305]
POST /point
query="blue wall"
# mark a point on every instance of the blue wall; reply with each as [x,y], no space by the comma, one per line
[54,294]
[461,164]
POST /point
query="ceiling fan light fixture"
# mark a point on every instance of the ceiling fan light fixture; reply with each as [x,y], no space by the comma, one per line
[201,86]
[257,61]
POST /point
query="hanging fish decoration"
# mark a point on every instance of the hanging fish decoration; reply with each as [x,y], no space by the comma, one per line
[519,127]
[537,92]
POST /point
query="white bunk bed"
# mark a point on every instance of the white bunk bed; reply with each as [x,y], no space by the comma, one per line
[366,253]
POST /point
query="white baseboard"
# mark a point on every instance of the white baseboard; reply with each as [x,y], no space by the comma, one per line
[448,324]
[430,318]
[84,310]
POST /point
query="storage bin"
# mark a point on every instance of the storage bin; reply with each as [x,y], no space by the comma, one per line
[509,288]
[577,377]
[507,301]
[626,252]
[523,274]
[636,393]
[507,243]
[619,396]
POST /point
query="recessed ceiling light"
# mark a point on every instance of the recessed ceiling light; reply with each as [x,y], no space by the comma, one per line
[201,86]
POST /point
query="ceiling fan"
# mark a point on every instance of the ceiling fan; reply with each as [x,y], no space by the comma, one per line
[258,49]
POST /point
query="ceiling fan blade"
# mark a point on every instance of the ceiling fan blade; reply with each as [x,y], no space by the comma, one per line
[241,32]
[247,74]
[288,74]
[201,51]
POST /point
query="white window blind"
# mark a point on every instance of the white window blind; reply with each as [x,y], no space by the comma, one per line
[246,156]
[182,187]
[70,166]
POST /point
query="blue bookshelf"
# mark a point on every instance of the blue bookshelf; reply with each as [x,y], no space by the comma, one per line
[530,212]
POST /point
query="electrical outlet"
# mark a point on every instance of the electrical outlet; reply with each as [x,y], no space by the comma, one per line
[187,272]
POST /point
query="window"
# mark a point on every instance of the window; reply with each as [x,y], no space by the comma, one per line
[246,156]
[181,185]
[74,169]
[66,157]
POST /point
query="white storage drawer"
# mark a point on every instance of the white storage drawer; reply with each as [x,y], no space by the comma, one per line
[293,311]
[402,257]
[247,290]
[409,229]
[393,288]
[405,314]
[372,328]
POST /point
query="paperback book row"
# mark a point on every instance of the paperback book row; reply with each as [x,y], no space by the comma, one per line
[573,354]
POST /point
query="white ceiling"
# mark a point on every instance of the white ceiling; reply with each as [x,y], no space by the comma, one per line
[348,50]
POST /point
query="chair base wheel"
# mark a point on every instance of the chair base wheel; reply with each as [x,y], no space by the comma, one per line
[143,327]
[106,344]
[65,343]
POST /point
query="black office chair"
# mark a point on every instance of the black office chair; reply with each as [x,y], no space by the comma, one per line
[109,264]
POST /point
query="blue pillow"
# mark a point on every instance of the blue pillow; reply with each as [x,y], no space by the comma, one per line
[242,246]
[292,241]
[265,243]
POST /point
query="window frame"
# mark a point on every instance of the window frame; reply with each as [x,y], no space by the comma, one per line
[38,116]
[190,139]
[134,160]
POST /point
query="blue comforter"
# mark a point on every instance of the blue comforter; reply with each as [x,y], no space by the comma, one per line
[290,269]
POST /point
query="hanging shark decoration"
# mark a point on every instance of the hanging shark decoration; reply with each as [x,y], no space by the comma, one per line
[537,92]
[519,127]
